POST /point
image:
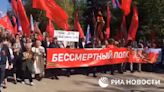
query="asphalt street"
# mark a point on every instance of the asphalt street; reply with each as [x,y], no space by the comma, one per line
[82,83]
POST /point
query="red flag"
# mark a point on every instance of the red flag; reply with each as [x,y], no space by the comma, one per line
[53,12]
[77,25]
[37,30]
[126,4]
[14,6]
[122,31]
[99,30]
[15,25]
[6,23]
[60,23]
[100,25]
[123,27]
[108,23]
[50,29]
[40,4]
[23,18]
[134,25]
[58,15]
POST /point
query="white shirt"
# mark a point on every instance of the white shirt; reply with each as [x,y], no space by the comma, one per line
[40,50]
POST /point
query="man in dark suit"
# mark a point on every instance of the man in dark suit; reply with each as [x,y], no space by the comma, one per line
[46,42]
[54,44]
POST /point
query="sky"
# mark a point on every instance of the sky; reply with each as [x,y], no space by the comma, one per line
[4,5]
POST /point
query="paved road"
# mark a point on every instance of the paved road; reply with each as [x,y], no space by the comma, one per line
[82,83]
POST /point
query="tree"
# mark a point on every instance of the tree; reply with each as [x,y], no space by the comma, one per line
[151,16]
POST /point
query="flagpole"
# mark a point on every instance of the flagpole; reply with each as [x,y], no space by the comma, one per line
[95,26]
[95,32]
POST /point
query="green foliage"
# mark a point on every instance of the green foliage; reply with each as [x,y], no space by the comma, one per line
[151,16]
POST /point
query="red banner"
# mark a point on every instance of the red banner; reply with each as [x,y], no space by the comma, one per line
[68,58]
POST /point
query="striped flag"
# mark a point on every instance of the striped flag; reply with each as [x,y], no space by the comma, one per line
[31,23]
[19,26]
[88,35]
[116,4]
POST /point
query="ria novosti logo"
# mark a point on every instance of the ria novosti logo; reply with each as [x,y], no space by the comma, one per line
[105,82]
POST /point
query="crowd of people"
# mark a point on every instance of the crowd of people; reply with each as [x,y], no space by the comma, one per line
[25,57]
[21,56]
